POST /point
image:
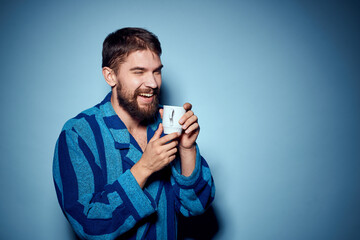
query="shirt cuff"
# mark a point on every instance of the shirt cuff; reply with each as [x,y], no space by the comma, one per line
[190,181]
[143,203]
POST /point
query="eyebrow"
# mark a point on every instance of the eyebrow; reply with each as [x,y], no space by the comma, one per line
[143,69]
[159,68]
[137,68]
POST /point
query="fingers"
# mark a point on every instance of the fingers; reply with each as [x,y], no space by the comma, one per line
[191,120]
[171,145]
[161,111]
[157,134]
[163,140]
[187,106]
[172,158]
[172,154]
[193,127]
[186,116]
[168,152]
[168,138]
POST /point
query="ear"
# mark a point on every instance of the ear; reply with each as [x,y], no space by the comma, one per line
[109,76]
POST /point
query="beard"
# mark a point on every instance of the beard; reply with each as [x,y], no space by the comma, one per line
[128,101]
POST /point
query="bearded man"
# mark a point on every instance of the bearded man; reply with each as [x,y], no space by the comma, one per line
[116,175]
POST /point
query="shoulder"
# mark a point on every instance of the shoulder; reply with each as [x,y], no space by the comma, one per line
[89,116]
[82,119]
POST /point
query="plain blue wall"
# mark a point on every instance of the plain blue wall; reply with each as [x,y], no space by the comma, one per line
[275,85]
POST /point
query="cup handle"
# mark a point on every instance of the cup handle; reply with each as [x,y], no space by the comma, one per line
[171,116]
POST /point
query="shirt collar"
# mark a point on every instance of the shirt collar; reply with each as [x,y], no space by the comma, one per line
[117,127]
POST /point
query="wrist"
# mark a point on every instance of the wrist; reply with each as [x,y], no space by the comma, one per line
[187,149]
[188,159]
[187,152]
[140,173]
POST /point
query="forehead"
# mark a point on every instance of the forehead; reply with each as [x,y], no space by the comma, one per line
[142,58]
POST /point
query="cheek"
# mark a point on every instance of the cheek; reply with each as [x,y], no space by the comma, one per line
[133,83]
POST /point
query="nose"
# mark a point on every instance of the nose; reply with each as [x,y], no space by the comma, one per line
[152,81]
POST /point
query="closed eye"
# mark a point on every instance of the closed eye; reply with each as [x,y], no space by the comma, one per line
[158,70]
[137,70]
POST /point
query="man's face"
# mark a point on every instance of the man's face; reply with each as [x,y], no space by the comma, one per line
[138,84]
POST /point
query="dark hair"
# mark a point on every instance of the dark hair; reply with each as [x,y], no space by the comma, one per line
[119,44]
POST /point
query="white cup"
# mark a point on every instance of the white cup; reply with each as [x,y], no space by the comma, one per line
[171,117]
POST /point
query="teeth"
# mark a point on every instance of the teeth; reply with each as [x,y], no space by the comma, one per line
[146,94]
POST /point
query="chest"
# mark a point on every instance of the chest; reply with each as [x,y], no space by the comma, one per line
[141,139]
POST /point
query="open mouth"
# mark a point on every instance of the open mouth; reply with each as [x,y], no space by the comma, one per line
[146,98]
[147,95]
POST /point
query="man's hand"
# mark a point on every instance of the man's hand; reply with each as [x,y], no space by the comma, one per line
[190,125]
[187,150]
[158,153]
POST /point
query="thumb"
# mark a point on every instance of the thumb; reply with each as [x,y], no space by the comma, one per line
[158,133]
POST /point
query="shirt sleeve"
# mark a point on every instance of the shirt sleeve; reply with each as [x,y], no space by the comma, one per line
[95,209]
[193,194]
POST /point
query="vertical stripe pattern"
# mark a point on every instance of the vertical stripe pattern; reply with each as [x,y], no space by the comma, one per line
[99,195]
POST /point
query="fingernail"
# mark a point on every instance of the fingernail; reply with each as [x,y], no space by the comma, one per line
[184,126]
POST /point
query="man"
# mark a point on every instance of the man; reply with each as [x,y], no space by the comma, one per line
[116,174]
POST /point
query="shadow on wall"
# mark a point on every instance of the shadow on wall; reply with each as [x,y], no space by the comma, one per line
[204,226]
[73,235]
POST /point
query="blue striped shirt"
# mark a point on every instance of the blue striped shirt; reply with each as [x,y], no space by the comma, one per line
[101,198]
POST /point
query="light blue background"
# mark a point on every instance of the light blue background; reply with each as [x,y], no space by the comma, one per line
[275,85]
